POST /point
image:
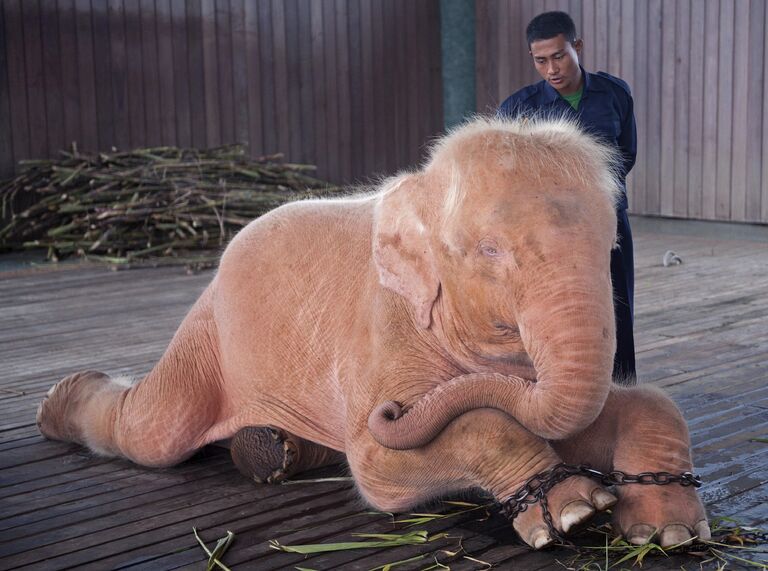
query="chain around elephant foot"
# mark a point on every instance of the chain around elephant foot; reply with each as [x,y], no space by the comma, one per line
[265,454]
[535,491]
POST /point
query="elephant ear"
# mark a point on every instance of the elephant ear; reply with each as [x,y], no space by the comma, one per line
[401,249]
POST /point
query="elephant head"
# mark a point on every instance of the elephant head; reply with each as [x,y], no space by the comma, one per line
[500,246]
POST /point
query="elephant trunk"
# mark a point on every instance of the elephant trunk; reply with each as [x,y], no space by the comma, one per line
[572,351]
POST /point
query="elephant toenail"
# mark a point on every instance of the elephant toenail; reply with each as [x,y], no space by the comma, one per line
[674,534]
[701,529]
[575,513]
[602,499]
[540,538]
[640,534]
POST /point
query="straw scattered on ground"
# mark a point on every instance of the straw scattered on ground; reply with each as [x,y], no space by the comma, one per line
[732,546]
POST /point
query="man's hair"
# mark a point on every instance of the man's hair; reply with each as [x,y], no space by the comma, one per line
[548,25]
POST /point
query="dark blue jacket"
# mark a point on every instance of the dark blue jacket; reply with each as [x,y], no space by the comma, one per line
[605,109]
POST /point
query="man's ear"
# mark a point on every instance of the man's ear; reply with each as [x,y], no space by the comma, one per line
[578,45]
[401,249]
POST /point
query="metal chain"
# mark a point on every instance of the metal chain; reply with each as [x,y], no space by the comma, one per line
[535,488]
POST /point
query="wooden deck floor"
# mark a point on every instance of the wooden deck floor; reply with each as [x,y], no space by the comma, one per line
[702,331]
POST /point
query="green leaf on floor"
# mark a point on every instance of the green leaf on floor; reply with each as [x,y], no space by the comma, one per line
[382,540]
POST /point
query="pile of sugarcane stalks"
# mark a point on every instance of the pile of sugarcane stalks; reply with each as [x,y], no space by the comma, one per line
[147,204]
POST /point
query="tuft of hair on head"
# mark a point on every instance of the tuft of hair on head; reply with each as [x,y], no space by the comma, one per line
[539,137]
[549,25]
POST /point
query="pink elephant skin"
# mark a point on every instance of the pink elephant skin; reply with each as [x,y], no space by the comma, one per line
[451,329]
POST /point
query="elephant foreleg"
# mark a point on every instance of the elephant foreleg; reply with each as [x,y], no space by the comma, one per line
[483,448]
[270,455]
[641,430]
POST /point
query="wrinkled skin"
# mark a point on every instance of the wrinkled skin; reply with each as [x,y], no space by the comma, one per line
[453,330]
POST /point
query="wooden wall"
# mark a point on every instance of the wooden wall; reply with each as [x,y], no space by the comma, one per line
[699,76]
[353,86]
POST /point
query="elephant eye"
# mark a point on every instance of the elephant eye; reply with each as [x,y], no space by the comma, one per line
[489,248]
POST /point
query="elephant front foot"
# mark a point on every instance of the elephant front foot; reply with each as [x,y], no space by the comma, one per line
[269,455]
[63,413]
[670,514]
[568,505]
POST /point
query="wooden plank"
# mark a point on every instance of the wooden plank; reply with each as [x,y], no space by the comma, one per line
[574,9]
[425,128]
[35,75]
[400,87]
[173,518]
[410,139]
[135,73]
[706,319]
[167,79]
[267,79]
[522,61]
[615,27]
[319,97]
[682,103]
[742,50]
[135,495]
[667,108]
[319,512]
[379,82]
[711,96]
[119,75]
[754,101]
[696,109]
[343,95]
[764,178]
[531,9]
[637,199]
[435,69]
[332,111]
[282,86]
[180,67]
[17,79]
[52,64]
[589,33]
[196,81]
[295,62]
[78,504]
[210,66]
[224,67]
[505,78]
[306,94]
[386,75]
[70,90]
[653,118]
[626,48]
[239,72]
[150,74]
[253,63]
[485,73]
[357,118]
[6,135]
[725,110]
[600,39]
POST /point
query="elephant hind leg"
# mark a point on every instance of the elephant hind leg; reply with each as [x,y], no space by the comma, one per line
[158,421]
[270,455]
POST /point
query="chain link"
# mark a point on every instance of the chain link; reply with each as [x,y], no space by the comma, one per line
[535,489]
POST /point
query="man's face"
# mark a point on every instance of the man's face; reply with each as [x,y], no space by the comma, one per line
[557,61]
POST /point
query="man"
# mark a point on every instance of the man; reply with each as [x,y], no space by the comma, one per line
[603,105]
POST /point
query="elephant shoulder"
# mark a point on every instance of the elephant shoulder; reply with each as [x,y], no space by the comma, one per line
[295,228]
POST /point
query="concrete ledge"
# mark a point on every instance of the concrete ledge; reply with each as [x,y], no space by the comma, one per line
[700,228]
